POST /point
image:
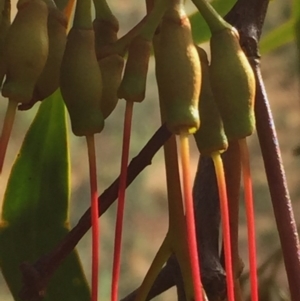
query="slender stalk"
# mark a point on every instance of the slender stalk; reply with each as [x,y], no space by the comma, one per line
[232,166]
[190,218]
[6,130]
[213,19]
[121,45]
[225,223]
[41,271]
[177,225]
[94,214]
[121,201]
[250,217]
[160,258]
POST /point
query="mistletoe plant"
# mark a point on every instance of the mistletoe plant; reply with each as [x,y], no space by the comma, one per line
[45,55]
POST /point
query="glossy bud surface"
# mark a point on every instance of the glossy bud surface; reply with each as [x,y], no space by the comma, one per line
[233,84]
[178,72]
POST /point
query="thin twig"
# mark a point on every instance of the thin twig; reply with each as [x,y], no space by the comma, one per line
[250,27]
[282,205]
[36,276]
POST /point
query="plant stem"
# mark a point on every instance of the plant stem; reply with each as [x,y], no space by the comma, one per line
[160,258]
[232,166]
[6,130]
[39,273]
[214,20]
[94,214]
[121,201]
[177,225]
[190,218]
[281,201]
[121,45]
[225,223]
[250,217]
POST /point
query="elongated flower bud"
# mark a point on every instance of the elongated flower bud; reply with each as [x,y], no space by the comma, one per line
[105,31]
[233,84]
[81,83]
[232,78]
[111,69]
[133,85]
[178,72]
[26,50]
[48,82]
[80,78]
[106,25]
[211,136]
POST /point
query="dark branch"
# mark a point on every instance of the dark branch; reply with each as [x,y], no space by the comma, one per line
[282,205]
[250,25]
[36,276]
[248,17]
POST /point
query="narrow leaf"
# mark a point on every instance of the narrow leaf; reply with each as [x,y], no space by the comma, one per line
[278,37]
[296,15]
[35,209]
[296,9]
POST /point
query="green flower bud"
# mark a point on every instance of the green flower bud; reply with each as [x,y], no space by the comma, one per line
[133,85]
[111,69]
[106,25]
[26,50]
[178,72]
[80,78]
[105,31]
[211,136]
[48,81]
[81,83]
[233,84]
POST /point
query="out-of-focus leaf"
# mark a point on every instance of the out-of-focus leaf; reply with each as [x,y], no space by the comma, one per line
[296,9]
[200,30]
[35,209]
[278,37]
[296,15]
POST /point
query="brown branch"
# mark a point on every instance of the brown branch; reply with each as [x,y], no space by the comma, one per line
[36,276]
[249,21]
[281,201]
[247,16]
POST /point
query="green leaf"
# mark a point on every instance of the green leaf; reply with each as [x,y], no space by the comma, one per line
[278,37]
[200,30]
[35,209]
[296,9]
[296,15]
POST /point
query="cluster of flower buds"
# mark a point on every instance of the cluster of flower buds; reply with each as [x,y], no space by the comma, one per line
[39,55]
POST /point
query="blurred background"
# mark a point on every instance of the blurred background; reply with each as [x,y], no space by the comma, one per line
[145,223]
